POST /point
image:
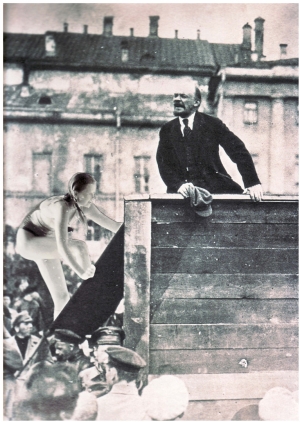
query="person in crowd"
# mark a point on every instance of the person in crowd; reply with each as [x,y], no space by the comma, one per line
[67,349]
[7,301]
[19,287]
[27,302]
[93,379]
[7,319]
[19,356]
[123,402]
[43,236]
[279,404]
[165,398]
[50,394]
[188,151]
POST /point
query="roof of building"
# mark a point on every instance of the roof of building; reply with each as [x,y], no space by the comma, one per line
[225,54]
[99,51]
[267,64]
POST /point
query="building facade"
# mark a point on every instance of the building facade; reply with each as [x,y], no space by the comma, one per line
[84,102]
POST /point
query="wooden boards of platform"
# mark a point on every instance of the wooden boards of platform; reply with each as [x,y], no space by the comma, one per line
[223,299]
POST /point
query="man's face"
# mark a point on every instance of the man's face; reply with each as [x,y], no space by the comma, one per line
[101,357]
[24,284]
[6,301]
[63,351]
[24,329]
[185,103]
[111,374]
[28,297]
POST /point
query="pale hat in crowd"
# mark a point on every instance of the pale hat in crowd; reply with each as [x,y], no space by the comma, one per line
[279,404]
[165,398]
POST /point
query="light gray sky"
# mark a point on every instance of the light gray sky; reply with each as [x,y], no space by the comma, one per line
[218,22]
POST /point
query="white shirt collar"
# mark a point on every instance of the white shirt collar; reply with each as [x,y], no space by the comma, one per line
[190,119]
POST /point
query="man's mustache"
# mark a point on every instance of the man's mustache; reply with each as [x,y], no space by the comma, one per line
[178,104]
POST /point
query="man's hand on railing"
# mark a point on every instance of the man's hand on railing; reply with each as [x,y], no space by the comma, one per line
[184,189]
[255,192]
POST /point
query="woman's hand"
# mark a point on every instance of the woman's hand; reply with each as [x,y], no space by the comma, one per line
[89,273]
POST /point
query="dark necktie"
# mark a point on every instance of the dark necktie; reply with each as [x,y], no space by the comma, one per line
[187,131]
[187,135]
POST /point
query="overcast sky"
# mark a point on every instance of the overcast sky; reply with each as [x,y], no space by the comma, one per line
[218,22]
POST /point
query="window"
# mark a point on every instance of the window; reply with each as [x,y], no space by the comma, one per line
[93,232]
[42,171]
[125,55]
[124,51]
[141,175]
[93,165]
[45,100]
[250,113]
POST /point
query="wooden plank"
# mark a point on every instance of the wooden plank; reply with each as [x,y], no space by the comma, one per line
[217,410]
[196,286]
[220,336]
[217,197]
[224,260]
[227,212]
[226,311]
[225,235]
[252,385]
[137,276]
[222,361]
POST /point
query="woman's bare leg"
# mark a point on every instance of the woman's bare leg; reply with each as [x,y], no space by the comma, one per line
[34,248]
[80,250]
[43,250]
[53,275]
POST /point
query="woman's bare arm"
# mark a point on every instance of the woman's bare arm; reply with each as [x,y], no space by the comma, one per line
[94,214]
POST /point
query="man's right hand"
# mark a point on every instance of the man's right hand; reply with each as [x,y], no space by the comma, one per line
[184,189]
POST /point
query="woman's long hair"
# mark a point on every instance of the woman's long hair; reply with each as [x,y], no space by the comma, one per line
[77,183]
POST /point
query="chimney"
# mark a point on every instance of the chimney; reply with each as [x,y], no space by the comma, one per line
[153,26]
[259,37]
[50,46]
[85,29]
[131,32]
[283,51]
[246,44]
[176,33]
[66,27]
[198,34]
[107,26]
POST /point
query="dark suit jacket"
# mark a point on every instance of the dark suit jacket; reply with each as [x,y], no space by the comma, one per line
[13,359]
[208,133]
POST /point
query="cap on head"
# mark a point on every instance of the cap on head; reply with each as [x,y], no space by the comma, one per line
[108,335]
[21,317]
[125,359]
[279,404]
[67,336]
[165,398]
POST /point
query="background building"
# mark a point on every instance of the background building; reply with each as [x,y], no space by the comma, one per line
[84,102]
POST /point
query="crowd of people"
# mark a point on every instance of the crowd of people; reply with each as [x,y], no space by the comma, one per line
[67,377]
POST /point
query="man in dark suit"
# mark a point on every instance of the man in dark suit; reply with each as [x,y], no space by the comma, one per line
[18,353]
[188,151]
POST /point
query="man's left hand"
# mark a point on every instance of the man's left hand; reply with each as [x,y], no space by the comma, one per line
[255,192]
